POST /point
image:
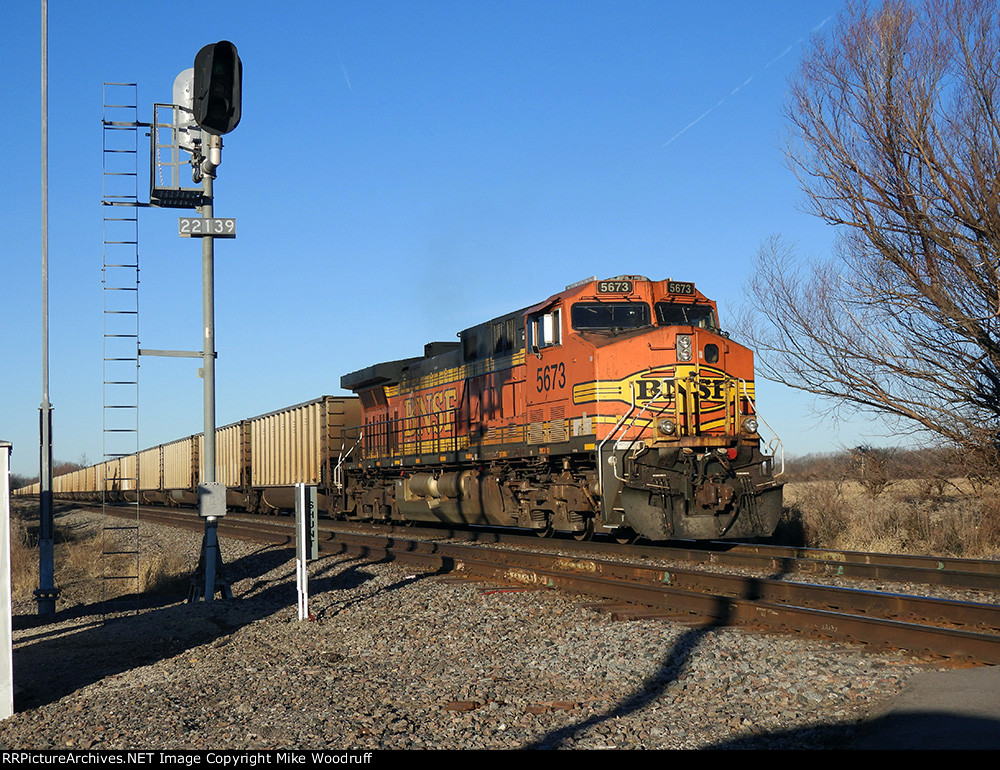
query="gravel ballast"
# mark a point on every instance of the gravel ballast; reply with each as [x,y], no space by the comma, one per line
[397,660]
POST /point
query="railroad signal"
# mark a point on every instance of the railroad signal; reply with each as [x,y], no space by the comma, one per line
[218,82]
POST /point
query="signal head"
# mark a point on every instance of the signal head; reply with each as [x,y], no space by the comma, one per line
[218,82]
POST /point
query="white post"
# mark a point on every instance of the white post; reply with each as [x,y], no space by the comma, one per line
[301,572]
[6,635]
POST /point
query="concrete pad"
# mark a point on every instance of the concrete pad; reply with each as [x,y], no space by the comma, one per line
[945,710]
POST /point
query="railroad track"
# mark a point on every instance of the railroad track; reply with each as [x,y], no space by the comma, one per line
[962,574]
[631,586]
[971,574]
[943,572]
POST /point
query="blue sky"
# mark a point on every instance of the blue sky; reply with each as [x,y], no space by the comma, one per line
[403,170]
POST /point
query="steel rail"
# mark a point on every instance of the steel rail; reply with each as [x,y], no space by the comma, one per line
[751,609]
[945,572]
[845,614]
[884,567]
[969,574]
[871,603]
[940,563]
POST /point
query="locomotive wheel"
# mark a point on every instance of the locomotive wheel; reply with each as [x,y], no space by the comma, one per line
[587,533]
[625,536]
[541,516]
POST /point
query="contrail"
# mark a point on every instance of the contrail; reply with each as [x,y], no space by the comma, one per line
[343,69]
[738,88]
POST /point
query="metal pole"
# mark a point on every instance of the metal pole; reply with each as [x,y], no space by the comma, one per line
[47,592]
[208,342]
[6,619]
[301,573]
[208,373]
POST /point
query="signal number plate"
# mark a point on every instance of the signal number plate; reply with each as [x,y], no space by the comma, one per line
[201,227]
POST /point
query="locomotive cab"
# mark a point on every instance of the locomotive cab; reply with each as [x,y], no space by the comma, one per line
[669,398]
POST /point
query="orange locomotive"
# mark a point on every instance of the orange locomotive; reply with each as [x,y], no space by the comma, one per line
[615,406]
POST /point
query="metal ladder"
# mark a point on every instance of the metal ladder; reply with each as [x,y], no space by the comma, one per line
[120,290]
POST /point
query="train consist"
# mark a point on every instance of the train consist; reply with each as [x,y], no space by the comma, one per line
[616,406]
[259,460]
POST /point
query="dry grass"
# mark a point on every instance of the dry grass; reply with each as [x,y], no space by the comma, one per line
[908,517]
[23,560]
[165,574]
[79,566]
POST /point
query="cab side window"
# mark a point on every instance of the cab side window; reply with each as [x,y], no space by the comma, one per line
[545,329]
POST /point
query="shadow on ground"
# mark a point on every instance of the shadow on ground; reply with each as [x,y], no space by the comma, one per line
[76,648]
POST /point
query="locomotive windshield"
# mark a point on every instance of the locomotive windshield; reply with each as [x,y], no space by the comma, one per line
[609,316]
[676,314]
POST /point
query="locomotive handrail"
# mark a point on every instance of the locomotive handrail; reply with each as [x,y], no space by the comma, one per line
[642,444]
[400,437]
[632,446]
[600,448]
[775,444]
[338,469]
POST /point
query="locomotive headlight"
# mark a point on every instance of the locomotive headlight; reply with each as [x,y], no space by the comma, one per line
[749,425]
[684,347]
[666,426]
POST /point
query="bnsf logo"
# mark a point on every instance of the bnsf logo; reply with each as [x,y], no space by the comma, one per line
[651,390]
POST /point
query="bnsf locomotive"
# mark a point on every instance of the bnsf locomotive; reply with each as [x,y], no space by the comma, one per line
[615,406]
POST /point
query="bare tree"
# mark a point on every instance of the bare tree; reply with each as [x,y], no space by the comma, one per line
[874,468]
[896,141]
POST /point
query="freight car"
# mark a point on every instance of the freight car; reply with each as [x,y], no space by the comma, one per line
[616,406]
[259,459]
